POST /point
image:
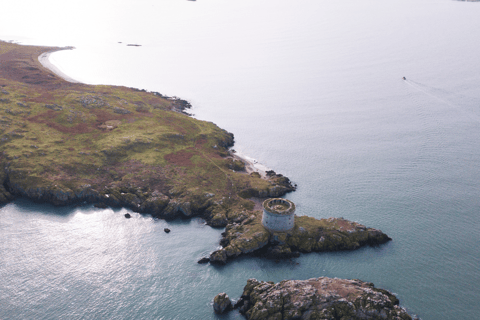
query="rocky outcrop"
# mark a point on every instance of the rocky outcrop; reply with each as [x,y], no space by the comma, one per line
[318,298]
[308,235]
[222,303]
[5,195]
[124,147]
[280,185]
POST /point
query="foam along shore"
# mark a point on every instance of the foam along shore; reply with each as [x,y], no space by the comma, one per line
[44,59]
[65,143]
[251,165]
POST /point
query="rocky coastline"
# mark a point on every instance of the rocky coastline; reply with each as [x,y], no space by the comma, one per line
[66,142]
[245,235]
[316,298]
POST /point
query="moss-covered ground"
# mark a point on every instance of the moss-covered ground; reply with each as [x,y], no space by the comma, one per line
[64,142]
[246,235]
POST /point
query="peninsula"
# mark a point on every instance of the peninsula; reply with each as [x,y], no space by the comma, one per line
[64,142]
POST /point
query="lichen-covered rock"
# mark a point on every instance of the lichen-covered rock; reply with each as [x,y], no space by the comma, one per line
[222,303]
[155,202]
[137,149]
[219,257]
[242,238]
[175,208]
[218,219]
[134,148]
[5,196]
[308,235]
[318,298]
[333,234]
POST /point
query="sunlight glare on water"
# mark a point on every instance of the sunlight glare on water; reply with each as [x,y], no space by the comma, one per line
[312,89]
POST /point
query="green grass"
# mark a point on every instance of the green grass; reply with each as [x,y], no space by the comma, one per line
[70,135]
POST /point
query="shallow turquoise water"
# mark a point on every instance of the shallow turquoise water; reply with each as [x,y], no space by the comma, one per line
[313,90]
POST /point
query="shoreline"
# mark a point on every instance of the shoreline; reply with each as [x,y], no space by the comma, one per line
[251,165]
[66,142]
[105,178]
[44,60]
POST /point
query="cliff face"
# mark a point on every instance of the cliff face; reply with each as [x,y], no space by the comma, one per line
[64,143]
[318,298]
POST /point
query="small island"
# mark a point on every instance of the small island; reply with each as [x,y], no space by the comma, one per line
[64,142]
[278,233]
[317,298]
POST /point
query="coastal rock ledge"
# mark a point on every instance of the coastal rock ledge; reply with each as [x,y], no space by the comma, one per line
[248,236]
[318,298]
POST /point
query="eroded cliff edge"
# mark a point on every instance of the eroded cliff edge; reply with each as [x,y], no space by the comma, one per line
[65,143]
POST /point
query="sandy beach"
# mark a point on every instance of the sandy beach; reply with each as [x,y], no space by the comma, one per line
[251,165]
[44,59]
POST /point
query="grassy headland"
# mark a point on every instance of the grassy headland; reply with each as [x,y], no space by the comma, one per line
[64,142]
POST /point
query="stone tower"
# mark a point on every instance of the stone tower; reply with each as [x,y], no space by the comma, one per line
[278,214]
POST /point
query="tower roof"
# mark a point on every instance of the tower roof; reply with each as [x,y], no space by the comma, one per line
[279,206]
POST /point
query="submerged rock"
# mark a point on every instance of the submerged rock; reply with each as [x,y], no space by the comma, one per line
[318,298]
[203,260]
[222,303]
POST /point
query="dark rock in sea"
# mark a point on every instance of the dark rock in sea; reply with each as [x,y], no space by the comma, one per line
[203,260]
[100,205]
[318,298]
[222,303]
[62,168]
[281,252]
[166,230]
[127,215]
[218,257]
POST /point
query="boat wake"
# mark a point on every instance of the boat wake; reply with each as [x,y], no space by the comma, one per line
[470,106]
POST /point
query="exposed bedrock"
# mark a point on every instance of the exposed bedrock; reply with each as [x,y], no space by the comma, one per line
[244,233]
[222,303]
[217,209]
[308,235]
[318,298]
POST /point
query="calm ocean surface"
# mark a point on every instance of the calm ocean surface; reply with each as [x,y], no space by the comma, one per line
[310,88]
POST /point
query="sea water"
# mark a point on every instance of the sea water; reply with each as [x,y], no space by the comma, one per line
[312,89]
